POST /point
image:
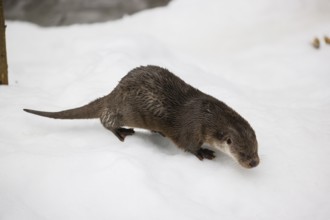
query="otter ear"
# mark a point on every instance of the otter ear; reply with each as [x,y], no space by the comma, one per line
[208,108]
[222,136]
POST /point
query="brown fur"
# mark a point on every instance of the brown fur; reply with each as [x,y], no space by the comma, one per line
[153,98]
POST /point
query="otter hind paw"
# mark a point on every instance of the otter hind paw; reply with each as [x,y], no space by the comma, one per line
[121,133]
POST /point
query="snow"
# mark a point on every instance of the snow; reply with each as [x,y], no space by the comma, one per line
[256,56]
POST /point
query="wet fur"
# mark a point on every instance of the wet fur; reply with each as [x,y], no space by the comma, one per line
[153,98]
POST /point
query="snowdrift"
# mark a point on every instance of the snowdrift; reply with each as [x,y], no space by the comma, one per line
[254,55]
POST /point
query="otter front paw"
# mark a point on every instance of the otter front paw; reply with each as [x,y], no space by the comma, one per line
[205,153]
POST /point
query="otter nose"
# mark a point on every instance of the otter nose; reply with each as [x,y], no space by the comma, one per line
[254,163]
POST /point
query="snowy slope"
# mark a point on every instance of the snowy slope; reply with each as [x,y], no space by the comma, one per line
[254,55]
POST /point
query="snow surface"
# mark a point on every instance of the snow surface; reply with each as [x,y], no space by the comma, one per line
[254,55]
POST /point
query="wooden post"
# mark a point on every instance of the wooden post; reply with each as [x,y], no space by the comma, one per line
[3,53]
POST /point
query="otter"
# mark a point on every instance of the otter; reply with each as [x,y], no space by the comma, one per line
[153,98]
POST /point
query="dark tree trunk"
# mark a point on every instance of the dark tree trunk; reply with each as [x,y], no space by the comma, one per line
[3,54]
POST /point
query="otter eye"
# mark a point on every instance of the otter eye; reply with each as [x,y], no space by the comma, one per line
[229,141]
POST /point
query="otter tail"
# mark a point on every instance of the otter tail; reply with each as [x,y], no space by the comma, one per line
[91,110]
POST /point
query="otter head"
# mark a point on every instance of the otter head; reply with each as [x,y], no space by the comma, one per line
[242,147]
[233,135]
